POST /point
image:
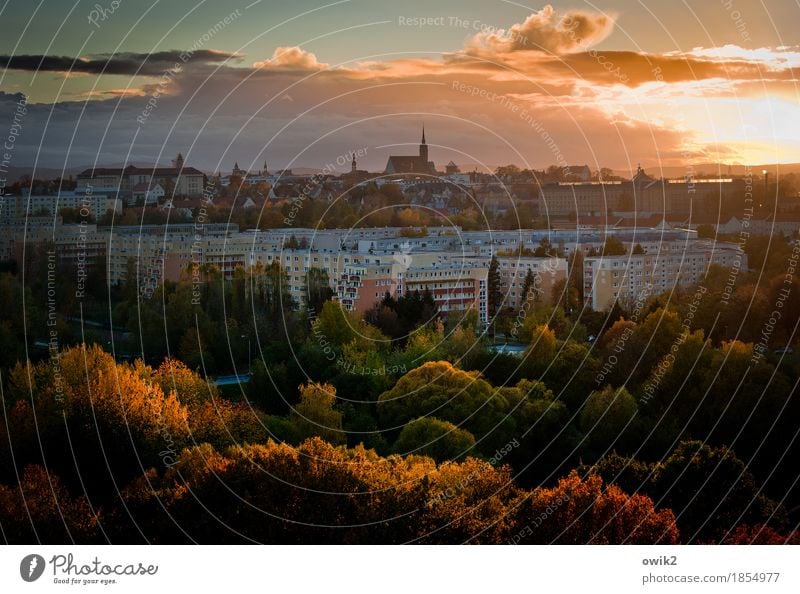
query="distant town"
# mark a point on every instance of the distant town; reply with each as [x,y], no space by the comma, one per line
[411,227]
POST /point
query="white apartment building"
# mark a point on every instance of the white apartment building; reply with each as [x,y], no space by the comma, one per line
[631,277]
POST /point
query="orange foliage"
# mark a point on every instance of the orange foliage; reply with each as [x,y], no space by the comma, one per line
[580,511]
[40,509]
[761,535]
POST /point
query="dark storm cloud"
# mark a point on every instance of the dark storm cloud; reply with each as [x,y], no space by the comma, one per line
[122,63]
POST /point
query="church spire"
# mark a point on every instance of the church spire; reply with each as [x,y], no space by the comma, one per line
[423,149]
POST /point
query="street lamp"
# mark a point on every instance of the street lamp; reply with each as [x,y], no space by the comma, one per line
[766,183]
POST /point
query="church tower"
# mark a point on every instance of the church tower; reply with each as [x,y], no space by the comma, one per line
[353,166]
[423,149]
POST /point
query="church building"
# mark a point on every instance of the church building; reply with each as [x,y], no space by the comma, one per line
[412,164]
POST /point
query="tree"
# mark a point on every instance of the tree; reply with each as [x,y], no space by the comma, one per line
[543,347]
[507,170]
[335,325]
[173,376]
[271,387]
[711,492]
[273,286]
[607,419]
[40,509]
[530,284]
[315,415]
[318,289]
[544,249]
[435,438]
[583,511]
[613,247]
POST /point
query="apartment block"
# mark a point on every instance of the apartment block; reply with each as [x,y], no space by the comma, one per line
[631,277]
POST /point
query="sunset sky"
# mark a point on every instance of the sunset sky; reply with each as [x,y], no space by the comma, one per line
[297,84]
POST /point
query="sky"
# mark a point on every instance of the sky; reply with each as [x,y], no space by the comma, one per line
[304,84]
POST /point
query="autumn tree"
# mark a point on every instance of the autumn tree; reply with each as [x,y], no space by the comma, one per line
[40,510]
[314,415]
[584,511]
[711,491]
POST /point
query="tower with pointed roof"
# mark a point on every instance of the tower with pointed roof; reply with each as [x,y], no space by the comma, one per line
[423,148]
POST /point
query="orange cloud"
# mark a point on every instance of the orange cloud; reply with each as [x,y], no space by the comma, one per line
[291,58]
[547,31]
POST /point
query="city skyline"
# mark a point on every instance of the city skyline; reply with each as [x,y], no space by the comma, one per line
[532,86]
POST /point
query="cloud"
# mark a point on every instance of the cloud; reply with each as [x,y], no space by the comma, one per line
[291,58]
[121,63]
[547,31]
[599,105]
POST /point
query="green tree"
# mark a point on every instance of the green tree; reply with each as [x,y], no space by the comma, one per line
[529,285]
[314,415]
[607,419]
[435,438]
[450,394]
[614,247]
[711,491]
[318,289]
